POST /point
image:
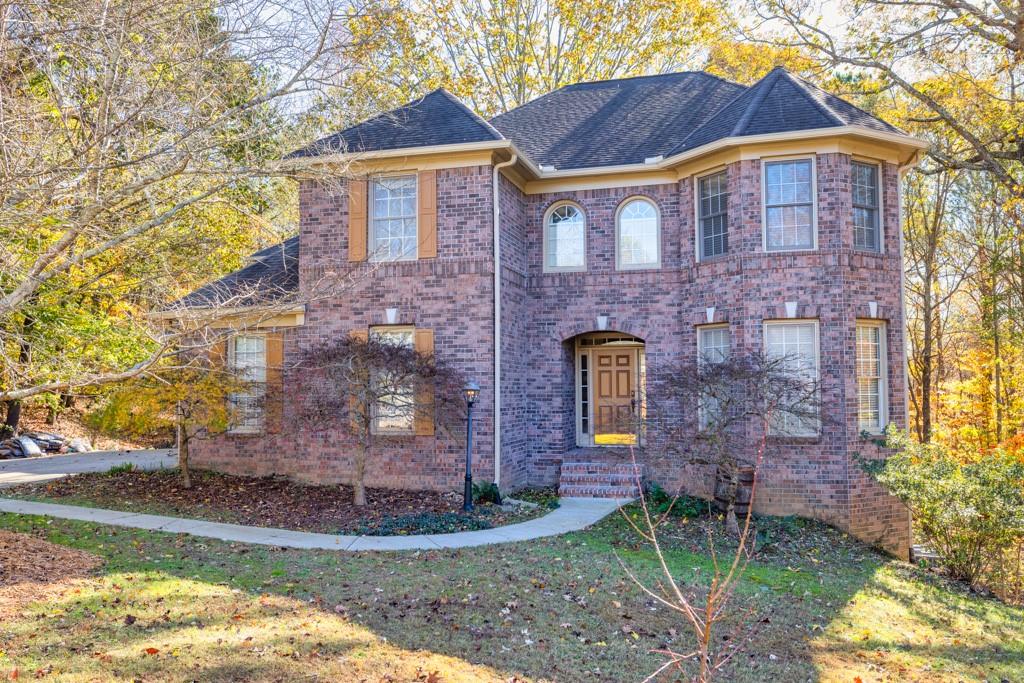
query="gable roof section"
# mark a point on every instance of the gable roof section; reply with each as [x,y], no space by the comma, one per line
[270,275]
[779,103]
[437,118]
[609,123]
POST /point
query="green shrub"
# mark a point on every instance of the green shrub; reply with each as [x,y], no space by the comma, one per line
[424,523]
[970,513]
[660,502]
[545,497]
[123,468]
[486,492]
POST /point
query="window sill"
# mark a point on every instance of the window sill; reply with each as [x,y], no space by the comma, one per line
[253,431]
[794,439]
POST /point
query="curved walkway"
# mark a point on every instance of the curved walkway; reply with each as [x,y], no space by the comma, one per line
[572,515]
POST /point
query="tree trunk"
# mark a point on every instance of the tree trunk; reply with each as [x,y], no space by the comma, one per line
[927,366]
[13,417]
[183,439]
[358,475]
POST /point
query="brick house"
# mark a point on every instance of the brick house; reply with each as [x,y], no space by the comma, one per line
[597,232]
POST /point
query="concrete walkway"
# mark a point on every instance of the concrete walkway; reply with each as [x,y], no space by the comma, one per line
[47,467]
[573,514]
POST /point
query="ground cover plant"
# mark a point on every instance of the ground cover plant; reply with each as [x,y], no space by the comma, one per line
[274,502]
[174,607]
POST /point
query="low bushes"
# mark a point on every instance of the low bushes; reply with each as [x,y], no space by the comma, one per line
[970,512]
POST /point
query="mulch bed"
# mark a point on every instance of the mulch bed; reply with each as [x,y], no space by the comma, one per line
[32,569]
[273,502]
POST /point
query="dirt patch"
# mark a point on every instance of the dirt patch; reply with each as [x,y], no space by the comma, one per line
[274,502]
[70,423]
[32,569]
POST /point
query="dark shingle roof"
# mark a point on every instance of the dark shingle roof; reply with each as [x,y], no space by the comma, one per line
[780,102]
[270,275]
[615,122]
[437,118]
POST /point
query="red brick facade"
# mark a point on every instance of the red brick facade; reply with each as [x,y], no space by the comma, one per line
[542,313]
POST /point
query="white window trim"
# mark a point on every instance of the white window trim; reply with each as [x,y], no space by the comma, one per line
[883,377]
[369,218]
[814,202]
[374,429]
[696,211]
[618,252]
[247,429]
[700,355]
[544,242]
[881,203]
[817,364]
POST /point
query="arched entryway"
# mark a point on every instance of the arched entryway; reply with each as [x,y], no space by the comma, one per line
[610,377]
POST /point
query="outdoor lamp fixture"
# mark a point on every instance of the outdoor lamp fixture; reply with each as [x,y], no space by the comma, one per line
[470,391]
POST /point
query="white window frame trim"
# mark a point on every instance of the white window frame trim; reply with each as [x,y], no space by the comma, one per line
[817,366]
[854,159]
[243,429]
[618,252]
[544,239]
[374,429]
[765,161]
[701,427]
[883,377]
[696,211]
[369,216]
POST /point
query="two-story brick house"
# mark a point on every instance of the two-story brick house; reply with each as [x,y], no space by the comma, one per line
[560,250]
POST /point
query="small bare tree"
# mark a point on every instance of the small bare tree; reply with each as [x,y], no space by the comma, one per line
[379,386]
[734,404]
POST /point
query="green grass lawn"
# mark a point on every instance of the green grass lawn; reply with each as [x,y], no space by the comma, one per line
[176,608]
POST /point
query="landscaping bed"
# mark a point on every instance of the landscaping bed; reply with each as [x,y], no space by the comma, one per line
[275,502]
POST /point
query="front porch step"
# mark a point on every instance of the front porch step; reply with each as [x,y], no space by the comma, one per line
[599,480]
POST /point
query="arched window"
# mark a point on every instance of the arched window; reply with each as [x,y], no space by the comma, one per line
[565,240]
[638,235]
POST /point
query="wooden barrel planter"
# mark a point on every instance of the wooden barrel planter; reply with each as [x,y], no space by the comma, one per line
[743,489]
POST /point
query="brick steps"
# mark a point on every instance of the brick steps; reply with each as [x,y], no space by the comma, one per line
[599,480]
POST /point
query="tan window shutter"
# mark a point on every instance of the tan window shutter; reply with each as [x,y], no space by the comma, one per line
[353,400]
[273,409]
[427,220]
[357,220]
[218,353]
[424,343]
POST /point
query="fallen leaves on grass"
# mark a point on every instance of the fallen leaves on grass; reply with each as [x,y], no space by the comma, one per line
[31,569]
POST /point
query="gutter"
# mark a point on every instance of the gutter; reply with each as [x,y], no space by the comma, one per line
[496,222]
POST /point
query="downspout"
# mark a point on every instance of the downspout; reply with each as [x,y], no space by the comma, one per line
[900,173]
[497,317]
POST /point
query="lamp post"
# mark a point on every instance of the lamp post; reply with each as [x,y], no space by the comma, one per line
[470,391]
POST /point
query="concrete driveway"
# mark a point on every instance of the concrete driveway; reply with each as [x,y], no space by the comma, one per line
[45,468]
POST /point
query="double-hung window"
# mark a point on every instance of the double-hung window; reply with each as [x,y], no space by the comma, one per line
[394,410]
[866,233]
[793,345]
[393,234]
[789,204]
[565,239]
[871,379]
[712,209]
[712,347]
[247,359]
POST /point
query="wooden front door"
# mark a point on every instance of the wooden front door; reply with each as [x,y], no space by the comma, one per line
[615,400]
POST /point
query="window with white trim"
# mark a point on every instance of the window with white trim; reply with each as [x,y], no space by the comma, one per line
[639,241]
[393,234]
[713,346]
[394,411]
[796,345]
[565,240]
[871,383]
[247,359]
[789,204]
[866,234]
[712,208]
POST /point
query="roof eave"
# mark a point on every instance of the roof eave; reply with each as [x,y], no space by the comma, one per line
[200,313]
[352,157]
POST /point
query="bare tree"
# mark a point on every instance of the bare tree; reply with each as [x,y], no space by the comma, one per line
[374,386]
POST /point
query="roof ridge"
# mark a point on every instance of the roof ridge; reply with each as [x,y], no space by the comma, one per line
[464,107]
[690,72]
[760,90]
[809,89]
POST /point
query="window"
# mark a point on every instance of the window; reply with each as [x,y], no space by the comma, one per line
[796,344]
[712,347]
[871,389]
[789,204]
[865,206]
[248,361]
[713,193]
[639,241]
[394,411]
[565,242]
[393,219]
